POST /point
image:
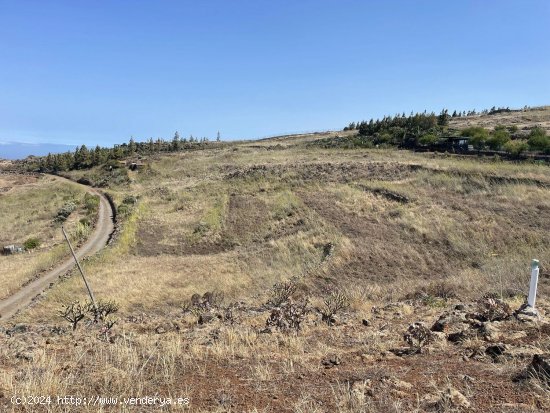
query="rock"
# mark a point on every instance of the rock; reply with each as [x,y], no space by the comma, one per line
[458,399]
[397,383]
[490,330]
[496,350]
[439,336]
[26,355]
[17,329]
[541,365]
[365,322]
[331,361]
[160,330]
[516,335]
[460,307]
[460,336]
[452,399]
[205,318]
[450,322]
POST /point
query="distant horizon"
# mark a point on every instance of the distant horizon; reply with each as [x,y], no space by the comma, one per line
[18,147]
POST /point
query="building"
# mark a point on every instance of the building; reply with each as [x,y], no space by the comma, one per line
[12,249]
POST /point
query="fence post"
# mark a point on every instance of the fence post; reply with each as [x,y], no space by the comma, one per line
[90,293]
[533,286]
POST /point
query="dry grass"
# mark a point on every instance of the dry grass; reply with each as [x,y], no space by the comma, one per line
[29,208]
[239,219]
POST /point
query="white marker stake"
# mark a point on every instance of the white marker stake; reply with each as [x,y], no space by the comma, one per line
[534,282]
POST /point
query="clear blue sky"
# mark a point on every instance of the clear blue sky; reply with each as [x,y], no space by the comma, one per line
[100,71]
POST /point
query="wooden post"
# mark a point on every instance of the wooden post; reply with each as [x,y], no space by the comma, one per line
[80,269]
[533,286]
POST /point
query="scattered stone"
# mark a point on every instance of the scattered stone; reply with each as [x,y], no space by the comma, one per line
[450,322]
[331,361]
[26,355]
[397,383]
[468,379]
[496,350]
[490,330]
[17,329]
[461,336]
[452,398]
[206,318]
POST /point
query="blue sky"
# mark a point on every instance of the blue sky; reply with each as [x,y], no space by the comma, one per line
[97,72]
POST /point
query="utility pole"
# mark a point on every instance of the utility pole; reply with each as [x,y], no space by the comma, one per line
[81,271]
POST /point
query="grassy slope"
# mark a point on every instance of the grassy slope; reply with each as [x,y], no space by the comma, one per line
[240,218]
[29,206]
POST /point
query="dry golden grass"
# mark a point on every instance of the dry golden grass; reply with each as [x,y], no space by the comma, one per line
[239,219]
[29,208]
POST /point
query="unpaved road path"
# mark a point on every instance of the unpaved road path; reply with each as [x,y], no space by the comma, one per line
[98,239]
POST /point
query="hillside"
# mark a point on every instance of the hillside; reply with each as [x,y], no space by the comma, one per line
[230,265]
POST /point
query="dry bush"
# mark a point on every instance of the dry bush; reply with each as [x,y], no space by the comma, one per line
[77,311]
[491,308]
[74,312]
[417,336]
[333,304]
[288,316]
[208,301]
[282,293]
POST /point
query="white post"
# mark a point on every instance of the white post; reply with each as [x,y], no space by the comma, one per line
[533,285]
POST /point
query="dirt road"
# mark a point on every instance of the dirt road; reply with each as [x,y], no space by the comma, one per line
[97,240]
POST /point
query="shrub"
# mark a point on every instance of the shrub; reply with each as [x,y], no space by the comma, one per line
[66,210]
[491,308]
[498,139]
[538,140]
[428,139]
[281,293]
[478,136]
[417,336]
[81,231]
[77,311]
[129,200]
[31,243]
[516,147]
[91,203]
[288,316]
[333,304]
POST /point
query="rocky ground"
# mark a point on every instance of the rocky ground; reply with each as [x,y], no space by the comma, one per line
[424,354]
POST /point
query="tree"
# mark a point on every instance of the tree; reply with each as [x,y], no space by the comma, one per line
[443,118]
[176,142]
[132,146]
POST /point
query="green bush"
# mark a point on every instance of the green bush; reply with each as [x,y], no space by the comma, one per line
[516,147]
[91,203]
[538,140]
[31,243]
[428,139]
[498,139]
[66,210]
[478,136]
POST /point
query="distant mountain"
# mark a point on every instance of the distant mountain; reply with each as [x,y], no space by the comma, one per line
[20,150]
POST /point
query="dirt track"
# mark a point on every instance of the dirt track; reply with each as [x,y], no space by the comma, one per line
[103,229]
